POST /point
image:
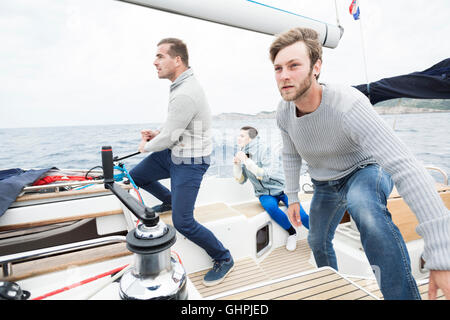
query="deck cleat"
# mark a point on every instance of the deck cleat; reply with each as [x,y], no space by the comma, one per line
[12,291]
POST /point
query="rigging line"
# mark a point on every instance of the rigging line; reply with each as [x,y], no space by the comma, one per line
[364,56]
[80,283]
[337,13]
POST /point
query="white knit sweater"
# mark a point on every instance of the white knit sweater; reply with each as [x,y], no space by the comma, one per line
[345,132]
[187,130]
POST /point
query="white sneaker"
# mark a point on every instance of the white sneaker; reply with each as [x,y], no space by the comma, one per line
[291,243]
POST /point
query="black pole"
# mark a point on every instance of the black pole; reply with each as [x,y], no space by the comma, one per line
[145,214]
[107,163]
[128,156]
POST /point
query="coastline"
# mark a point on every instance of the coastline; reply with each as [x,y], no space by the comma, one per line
[382,110]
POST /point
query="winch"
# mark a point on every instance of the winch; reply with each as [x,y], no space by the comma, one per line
[155,274]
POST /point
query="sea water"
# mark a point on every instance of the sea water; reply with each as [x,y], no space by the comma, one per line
[427,135]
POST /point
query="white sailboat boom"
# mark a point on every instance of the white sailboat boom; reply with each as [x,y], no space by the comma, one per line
[246,14]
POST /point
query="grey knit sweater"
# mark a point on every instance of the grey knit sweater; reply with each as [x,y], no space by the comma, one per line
[187,130]
[345,132]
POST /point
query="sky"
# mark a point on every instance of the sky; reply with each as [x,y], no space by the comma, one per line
[88,62]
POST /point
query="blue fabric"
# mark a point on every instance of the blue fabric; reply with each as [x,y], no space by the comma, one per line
[363,193]
[10,173]
[432,83]
[270,204]
[185,175]
[12,182]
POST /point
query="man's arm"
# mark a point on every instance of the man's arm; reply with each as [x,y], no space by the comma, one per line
[412,180]
[146,135]
[237,171]
[439,279]
[181,111]
[241,157]
[269,165]
[292,163]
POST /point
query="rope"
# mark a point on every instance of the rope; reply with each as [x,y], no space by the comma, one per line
[133,184]
[80,283]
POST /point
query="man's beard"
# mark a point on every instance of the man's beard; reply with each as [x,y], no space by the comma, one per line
[304,86]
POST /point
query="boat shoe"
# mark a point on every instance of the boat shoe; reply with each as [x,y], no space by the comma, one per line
[163,207]
[218,273]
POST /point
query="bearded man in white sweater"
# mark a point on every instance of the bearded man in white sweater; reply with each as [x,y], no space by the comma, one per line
[354,159]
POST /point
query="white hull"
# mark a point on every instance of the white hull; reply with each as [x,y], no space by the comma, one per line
[233,226]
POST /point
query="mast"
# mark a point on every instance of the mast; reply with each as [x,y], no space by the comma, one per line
[246,14]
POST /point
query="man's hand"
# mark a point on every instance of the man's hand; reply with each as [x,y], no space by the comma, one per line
[439,279]
[146,135]
[241,156]
[294,214]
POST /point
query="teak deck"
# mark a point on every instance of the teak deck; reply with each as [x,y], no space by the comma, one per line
[314,283]
[278,264]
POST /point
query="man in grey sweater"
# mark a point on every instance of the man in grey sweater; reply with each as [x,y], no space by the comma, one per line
[354,159]
[181,151]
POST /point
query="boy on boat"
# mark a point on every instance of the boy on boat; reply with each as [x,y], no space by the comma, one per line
[181,151]
[255,163]
[354,158]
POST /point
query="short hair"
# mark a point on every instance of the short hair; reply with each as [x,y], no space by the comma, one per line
[252,132]
[177,48]
[308,36]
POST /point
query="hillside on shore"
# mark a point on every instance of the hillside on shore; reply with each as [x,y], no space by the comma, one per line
[394,106]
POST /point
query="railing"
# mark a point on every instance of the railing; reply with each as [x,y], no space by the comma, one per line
[444,174]
[7,261]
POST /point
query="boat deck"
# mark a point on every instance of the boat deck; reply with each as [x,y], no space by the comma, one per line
[279,263]
[285,275]
[315,284]
[372,286]
[319,284]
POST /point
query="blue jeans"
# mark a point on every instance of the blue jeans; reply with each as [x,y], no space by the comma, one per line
[270,204]
[363,193]
[185,175]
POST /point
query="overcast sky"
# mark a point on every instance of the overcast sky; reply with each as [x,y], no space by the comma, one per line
[84,62]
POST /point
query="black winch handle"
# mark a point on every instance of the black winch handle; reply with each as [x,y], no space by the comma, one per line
[143,213]
[124,157]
